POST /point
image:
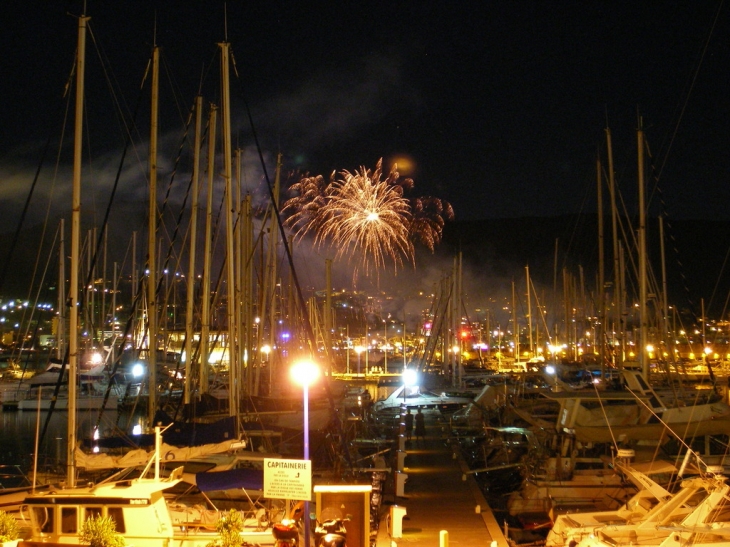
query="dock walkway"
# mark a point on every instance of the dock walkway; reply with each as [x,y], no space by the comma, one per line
[437,498]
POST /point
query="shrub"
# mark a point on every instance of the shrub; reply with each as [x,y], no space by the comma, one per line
[9,530]
[101,531]
[229,526]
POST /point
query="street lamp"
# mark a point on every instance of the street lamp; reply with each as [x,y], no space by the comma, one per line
[305,373]
[409,378]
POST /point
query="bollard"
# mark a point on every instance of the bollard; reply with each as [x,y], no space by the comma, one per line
[400,483]
[443,538]
[401,459]
[478,509]
[397,513]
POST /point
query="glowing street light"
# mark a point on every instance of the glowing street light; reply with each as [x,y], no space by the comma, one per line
[305,373]
[409,378]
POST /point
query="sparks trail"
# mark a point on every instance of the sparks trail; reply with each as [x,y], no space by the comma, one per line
[366,217]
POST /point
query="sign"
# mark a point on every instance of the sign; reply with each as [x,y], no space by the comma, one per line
[288,479]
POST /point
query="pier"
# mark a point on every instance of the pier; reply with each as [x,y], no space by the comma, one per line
[443,505]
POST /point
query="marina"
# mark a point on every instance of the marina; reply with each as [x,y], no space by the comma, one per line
[244,353]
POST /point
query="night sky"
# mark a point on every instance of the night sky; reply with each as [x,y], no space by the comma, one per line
[499,105]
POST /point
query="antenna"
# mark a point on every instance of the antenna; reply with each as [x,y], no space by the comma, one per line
[225,20]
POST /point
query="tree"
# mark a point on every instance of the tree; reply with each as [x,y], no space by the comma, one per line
[101,531]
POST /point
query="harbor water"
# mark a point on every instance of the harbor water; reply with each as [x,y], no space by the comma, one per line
[22,430]
[19,429]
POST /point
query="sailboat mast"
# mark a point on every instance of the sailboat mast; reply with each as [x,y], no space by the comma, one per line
[327,316]
[643,334]
[61,328]
[665,296]
[514,324]
[233,362]
[529,310]
[207,252]
[273,274]
[247,293]
[73,297]
[617,275]
[152,246]
[189,313]
[598,342]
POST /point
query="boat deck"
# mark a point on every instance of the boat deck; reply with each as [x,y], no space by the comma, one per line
[437,498]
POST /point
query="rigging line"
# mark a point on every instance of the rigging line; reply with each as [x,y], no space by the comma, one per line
[541,312]
[31,191]
[579,220]
[469,324]
[727,300]
[31,310]
[605,415]
[290,258]
[717,284]
[182,211]
[115,186]
[99,243]
[174,87]
[691,87]
[118,360]
[670,232]
[666,426]
[111,81]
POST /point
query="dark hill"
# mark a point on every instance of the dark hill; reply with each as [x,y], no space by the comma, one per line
[497,251]
[695,251]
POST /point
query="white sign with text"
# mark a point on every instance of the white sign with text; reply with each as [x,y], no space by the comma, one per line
[288,479]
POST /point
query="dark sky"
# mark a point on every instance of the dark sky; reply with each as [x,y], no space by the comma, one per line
[500,105]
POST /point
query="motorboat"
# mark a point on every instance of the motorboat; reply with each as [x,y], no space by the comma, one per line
[140,509]
[40,390]
[415,397]
[697,514]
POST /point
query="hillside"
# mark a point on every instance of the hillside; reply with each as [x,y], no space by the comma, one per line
[695,252]
[496,251]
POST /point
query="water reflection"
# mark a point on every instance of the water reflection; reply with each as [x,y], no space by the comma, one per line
[21,428]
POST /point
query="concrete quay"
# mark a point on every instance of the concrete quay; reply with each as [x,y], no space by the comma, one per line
[438,497]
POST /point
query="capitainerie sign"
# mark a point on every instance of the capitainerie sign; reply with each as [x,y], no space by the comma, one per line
[288,479]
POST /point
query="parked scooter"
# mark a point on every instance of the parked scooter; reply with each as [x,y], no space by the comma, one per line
[286,532]
[331,532]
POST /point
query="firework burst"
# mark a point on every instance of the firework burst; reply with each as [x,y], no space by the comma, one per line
[366,217]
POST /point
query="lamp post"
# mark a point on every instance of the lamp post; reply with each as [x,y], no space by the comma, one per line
[409,378]
[265,351]
[358,350]
[304,373]
[385,347]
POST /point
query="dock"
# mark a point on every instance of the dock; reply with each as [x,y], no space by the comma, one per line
[443,504]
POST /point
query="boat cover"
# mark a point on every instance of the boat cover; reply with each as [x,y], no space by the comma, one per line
[248,479]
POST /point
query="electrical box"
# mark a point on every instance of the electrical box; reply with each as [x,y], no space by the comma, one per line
[342,500]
